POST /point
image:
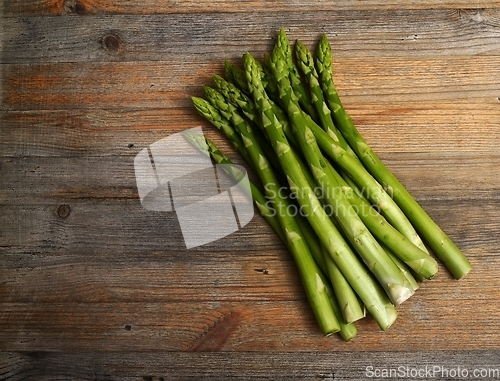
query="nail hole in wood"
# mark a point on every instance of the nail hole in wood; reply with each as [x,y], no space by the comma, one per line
[263,271]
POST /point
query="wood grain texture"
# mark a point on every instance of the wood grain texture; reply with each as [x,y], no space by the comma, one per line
[165,85]
[94,287]
[208,37]
[226,365]
[388,127]
[15,8]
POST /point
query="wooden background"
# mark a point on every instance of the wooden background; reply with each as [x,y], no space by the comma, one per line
[94,287]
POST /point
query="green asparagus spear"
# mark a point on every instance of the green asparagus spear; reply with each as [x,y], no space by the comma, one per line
[421,265]
[351,309]
[236,76]
[257,196]
[352,306]
[308,269]
[305,62]
[210,113]
[347,330]
[403,267]
[421,262]
[228,72]
[436,238]
[388,274]
[366,183]
[298,87]
[219,101]
[238,99]
[234,97]
[271,87]
[369,291]
[349,164]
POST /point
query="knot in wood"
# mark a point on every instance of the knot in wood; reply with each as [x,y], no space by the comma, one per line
[74,6]
[112,43]
[63,210]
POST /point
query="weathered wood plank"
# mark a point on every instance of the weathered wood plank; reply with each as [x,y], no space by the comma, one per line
[45,180]
[81,7]
[389,128]
[394,81]
[123,231]
[161,366]
[106,215]
[96,133]
[75,277]
[126,231]
[424,323]
[111,228]
[208,37]
[78,277]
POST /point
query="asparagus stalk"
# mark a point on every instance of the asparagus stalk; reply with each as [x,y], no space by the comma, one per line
[298,87]
[226,109]
[414,257]
[210,113]
[238,99]
[257,196]
[366,182]
[421,262]
[235,95]
[403,267]
[351,165]
[369,291]
[347,330]
[271,87]
[228,72]
[344,295]
[236,76]
[231,113]
[376,223]
[345,302]
[440,243]
[388,274]
[338,289]
[305,62]
[308,269]
[350,307]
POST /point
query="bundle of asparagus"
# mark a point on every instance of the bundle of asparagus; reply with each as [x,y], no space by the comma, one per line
[357,239]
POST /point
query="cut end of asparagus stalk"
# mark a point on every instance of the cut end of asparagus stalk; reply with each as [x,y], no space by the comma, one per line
[385,318]
[459,271]
[350,314]
[399,293]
